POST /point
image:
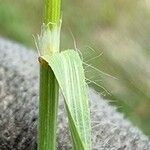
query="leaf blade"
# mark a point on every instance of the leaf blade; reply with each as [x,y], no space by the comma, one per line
[67,67]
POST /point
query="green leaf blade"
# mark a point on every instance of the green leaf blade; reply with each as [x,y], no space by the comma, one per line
[67,67]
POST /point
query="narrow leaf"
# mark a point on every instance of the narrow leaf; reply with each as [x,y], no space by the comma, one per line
[67,67]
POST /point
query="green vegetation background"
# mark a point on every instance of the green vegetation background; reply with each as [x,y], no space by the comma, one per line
[118,29]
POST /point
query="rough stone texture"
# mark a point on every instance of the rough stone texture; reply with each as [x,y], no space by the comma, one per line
[19,107]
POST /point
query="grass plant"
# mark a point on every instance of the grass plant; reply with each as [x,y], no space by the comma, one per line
[106,20]
[64,70]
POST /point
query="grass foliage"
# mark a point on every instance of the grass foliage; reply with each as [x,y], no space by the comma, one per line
[65,70]
[67,67]
[119,29]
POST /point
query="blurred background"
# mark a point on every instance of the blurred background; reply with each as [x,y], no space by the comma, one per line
[113,37]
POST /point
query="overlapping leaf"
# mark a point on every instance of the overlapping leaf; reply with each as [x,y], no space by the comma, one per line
[67,67]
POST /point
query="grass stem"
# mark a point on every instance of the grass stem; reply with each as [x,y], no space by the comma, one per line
[52,12]
[49,89]
[47,108]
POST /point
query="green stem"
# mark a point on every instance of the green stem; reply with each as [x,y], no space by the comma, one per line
[49,89]
[52,12]
[47,108]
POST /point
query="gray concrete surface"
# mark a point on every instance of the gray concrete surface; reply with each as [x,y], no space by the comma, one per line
[19,107]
